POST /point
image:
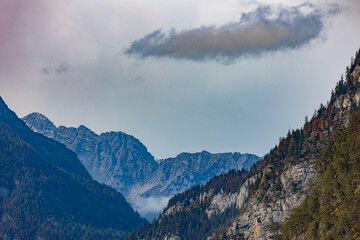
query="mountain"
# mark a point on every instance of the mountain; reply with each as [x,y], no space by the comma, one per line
[123,162]
[177,174]
[46,193]
[314,170]
[114,158]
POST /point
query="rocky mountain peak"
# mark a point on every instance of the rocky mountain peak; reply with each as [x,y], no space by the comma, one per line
[84,129]
[38,122]
[203,152]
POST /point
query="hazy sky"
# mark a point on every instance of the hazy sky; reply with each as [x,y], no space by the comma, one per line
[189,75]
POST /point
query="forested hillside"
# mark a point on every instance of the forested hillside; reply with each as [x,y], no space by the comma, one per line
[332,210]
[188,213]
[45,192]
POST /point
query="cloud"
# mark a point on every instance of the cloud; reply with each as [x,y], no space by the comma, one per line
[46,70]
[149,207]
[265,29]
[60,69]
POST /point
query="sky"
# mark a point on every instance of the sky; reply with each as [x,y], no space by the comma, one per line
[181,76]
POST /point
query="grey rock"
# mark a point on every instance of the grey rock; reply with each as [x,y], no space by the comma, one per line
[220,202]
[261,219]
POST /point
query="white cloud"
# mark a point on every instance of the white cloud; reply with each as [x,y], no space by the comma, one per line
[149,207]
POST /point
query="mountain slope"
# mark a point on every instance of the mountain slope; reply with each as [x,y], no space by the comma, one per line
[123,162]
[46,194]
[266,195]
[177,174]
[289,176]
[201,211]
[332,210]
[50,149]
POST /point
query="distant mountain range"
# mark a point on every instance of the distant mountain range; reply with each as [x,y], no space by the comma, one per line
[123,162]
[46,193]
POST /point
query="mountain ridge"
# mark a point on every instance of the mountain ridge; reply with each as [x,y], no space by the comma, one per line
[123,162]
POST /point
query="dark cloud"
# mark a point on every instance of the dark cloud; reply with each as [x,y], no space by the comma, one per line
[45,70]
[60,69]
[265,29]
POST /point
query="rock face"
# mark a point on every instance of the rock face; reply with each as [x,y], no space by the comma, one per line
[123,162]
[220,202]
[263,219]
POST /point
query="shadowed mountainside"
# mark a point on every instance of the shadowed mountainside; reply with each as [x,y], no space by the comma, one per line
[46,193]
